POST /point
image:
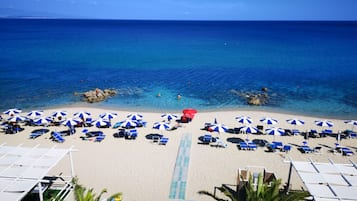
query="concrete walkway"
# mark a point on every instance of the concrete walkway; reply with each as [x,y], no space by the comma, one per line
[179,178]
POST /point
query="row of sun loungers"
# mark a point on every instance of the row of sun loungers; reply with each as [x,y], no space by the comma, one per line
[247,146]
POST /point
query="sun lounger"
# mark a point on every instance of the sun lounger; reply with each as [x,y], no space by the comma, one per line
[346,151]
[306,149]
[278,145]
[286,148]
[295,132]
[99,138]
[207,139]
[353,135]
[243,146]
[220,143]
[163,141]
[252,146]
[57,137]
[94,133]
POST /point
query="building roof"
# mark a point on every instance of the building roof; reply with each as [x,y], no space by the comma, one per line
[328,181]
[22,168]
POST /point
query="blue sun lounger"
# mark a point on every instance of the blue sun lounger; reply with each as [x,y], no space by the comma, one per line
[207,139]
[57,137]
[163,141]
[243,146]
[99,138]
[306,149]
[252,146]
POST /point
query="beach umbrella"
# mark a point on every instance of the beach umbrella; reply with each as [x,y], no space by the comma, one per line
[161,126]
[352,122]
[108,115]
[220,128]
[59,114]
[135,116]
[128,123]
[169,116]
[100,122]
[324,123]
[70,122]
[248,129]
[16,118]
[244,119]
[42,121]
[81,115]
[35,113]
[295,122]
[189,112]
[275,131]
[269,121]
[12,111]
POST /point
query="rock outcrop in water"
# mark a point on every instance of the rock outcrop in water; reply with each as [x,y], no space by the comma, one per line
[254,98]
[98,95]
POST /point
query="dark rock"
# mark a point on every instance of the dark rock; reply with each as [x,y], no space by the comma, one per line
[98,95]
[265,89]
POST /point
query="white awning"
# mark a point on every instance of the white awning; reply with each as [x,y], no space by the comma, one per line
[328,181]
[21,168]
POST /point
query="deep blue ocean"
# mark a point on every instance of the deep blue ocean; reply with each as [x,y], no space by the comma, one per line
[308,67]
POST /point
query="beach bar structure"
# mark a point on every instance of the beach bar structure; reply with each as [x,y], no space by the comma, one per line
[328,181]
[24,170]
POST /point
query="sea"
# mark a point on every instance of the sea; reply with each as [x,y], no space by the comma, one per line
[308,67]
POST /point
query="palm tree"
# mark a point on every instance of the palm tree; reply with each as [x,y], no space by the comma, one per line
[258,192]
[81,193]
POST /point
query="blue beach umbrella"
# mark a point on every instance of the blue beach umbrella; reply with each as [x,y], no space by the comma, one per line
[42,121]
[220,128]
[59,114]
[275,131]
[295,122]
[161,126]
[248,129]
[70,122]
[244,119]
[35,113]
[101,122]
[269,121]
[169,116]
[16,119]
[135,116]
[108,115]
[81,115]
[12,111]
[128,123]
[324,123]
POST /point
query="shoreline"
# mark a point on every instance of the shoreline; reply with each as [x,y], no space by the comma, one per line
[163,110]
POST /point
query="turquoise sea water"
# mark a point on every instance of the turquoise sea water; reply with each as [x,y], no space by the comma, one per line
[309,67]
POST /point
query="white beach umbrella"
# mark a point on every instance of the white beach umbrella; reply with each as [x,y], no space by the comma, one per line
[269,121]
[12,111]
[100,122]
[161,126]
[70,122]
[135,116]
[81,114]
[324,123]
[42,121]
[108,115]
[59,114]
[244,119]
[169,116]
[35,113]
[16,118]
[296,122]
[248,129]
[128,123]
[275,131]
[220,128]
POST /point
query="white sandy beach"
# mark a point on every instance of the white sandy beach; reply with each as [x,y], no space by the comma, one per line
[143,170]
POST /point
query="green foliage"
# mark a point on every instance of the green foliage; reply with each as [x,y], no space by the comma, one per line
[81,193]
[259,192]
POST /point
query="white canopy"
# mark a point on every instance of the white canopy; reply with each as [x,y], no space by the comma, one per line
[328,181]
[21,169]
